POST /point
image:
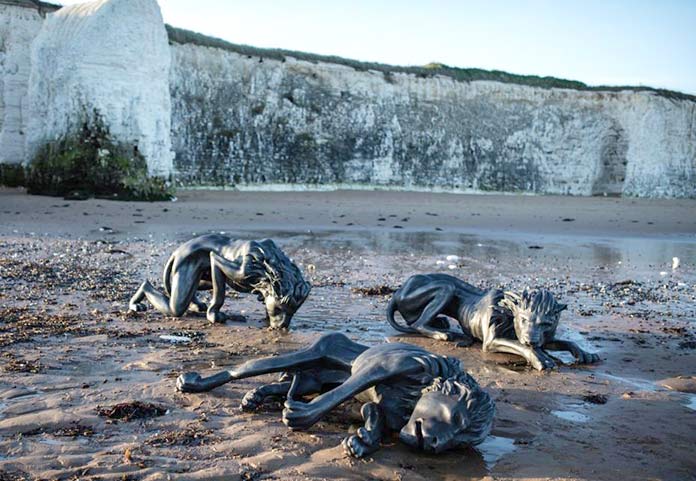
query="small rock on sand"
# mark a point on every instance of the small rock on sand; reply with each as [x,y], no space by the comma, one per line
[680,383]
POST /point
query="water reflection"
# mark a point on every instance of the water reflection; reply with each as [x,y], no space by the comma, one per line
[618,253]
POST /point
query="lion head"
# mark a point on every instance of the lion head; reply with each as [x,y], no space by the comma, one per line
[535,315]
[277,281]
[450,413]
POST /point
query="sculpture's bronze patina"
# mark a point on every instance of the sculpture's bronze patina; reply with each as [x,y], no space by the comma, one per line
[523,324]
[214,261]
[429,399]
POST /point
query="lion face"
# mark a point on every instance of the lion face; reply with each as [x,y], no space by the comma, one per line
[435,423]
[280,311]
[453,413]
[536,315]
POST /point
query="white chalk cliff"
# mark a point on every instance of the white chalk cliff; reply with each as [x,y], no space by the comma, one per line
[19,25]
[222,115]
[111,56]
[248,120]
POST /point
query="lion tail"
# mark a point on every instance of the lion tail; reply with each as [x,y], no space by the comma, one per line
[391,309]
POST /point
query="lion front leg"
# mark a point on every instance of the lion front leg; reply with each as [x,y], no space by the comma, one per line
[221,269]
[366,440]
[582,356]
[299,415]
[534,356]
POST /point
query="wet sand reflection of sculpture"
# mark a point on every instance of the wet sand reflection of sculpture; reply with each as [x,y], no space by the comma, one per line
[429,399]
[523,324]
[214,261]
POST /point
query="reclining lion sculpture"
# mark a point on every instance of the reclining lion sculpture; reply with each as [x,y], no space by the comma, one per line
[523,324]
[429,399]
[214,261]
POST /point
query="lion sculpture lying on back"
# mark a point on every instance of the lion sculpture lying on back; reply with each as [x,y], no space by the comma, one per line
[523,324]
[214,261]
[430,400]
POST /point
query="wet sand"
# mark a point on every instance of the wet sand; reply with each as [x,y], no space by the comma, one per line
[68,348]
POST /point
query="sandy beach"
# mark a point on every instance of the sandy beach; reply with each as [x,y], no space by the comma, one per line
[70,353]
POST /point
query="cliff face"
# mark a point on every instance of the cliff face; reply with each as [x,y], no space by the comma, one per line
[249,120]
[19,26]
[236,116]
[108,56]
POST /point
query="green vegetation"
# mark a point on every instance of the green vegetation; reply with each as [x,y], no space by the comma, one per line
[181,36]
[90,164]
[12,175]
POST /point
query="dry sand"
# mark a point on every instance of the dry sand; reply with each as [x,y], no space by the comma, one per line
[67,347]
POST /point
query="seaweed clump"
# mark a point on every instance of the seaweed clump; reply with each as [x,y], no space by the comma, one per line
[90,164]
[129,411]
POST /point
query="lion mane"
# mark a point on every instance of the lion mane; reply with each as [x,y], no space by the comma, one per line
[272,273]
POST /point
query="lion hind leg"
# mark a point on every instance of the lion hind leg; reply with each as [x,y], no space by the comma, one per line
[334,350]
[311,381]
[441,297]
[136,303]
[182,289]
[157,299]
[256,397]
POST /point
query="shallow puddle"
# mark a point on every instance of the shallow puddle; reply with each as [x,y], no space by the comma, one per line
[572,416]
[494,448]
[639,384]
[691,404]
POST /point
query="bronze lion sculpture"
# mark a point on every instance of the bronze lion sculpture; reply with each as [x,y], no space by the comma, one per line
[428,399]
[214,261]
[523,324]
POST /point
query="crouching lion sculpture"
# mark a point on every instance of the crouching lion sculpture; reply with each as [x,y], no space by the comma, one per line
[214,261]
[429,399]
[523,324]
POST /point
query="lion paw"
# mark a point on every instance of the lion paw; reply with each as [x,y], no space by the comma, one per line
[198,307]
[587,358]
[252,400]
[354,446]
[542,362]
[189,382]
[442,336]
[216,317]
[137,307]
[465,342]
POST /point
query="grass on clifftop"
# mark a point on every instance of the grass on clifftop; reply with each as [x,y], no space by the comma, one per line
[182,36]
